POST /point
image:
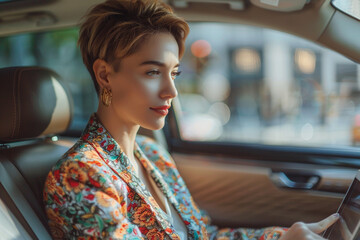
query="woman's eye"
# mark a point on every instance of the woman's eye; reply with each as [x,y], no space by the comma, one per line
[175,74]
[153,73]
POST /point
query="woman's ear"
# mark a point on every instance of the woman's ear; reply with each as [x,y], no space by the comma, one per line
[101,70]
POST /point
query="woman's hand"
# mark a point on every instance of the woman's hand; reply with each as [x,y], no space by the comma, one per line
[309,231]
[345,232]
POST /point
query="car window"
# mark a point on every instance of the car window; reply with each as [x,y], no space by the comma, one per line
[253,85]
[58,51]
[238,83]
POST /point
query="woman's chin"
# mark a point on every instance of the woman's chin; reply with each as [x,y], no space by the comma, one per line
[154,125]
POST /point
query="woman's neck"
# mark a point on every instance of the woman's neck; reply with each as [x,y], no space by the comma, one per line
[123,133]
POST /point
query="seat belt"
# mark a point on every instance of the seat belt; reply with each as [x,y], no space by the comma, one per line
[20,208]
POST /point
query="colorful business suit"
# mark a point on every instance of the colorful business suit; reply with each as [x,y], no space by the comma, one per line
[93,192]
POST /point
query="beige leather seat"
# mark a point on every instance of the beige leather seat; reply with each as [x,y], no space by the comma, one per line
[35,106]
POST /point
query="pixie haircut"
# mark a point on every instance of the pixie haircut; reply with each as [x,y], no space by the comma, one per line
[116,29]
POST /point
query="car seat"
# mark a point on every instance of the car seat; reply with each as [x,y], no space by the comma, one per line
[35,107]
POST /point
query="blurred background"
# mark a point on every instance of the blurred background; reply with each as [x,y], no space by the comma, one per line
[238,83]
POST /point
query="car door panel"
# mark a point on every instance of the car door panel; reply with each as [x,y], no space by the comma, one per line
[238,192]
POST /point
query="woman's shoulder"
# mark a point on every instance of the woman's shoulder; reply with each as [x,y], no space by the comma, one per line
[81,152]
[81,165]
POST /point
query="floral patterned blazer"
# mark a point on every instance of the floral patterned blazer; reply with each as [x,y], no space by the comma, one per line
[93,192]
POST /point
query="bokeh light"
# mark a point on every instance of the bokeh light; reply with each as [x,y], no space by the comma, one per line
[247,60]
[307,132]
[201,127]
[305,60]
[221,111]
[201,48]
[215,87]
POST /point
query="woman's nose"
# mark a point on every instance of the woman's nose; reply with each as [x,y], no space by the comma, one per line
[168,90]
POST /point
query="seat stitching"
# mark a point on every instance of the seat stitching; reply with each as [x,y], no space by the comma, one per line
[14,112]
[19,107]
[17,114]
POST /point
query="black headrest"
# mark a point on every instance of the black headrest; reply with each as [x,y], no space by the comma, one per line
[33,102]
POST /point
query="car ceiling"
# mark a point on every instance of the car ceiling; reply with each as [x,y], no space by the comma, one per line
[318,21]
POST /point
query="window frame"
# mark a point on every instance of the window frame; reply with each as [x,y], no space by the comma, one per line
[338,157]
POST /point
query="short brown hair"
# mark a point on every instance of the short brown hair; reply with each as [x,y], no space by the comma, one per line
[114,29]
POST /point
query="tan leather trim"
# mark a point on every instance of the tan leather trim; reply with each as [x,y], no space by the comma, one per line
[61,115]
[337,37]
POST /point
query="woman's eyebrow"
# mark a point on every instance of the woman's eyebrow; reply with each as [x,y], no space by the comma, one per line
[160,64]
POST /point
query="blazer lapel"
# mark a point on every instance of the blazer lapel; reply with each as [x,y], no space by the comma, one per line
[155,174]
[110,151]
[193,227]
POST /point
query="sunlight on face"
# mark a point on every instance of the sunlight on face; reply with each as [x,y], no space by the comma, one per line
[144,85]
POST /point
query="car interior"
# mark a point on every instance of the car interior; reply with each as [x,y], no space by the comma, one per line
[239,183]
[35,103]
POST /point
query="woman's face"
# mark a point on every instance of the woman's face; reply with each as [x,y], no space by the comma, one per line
[143,87]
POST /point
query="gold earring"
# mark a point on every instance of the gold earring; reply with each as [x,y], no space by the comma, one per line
[106,97]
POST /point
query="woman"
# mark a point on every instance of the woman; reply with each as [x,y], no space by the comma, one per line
[112,184]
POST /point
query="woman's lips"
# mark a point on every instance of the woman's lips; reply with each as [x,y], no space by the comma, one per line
[162,110]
